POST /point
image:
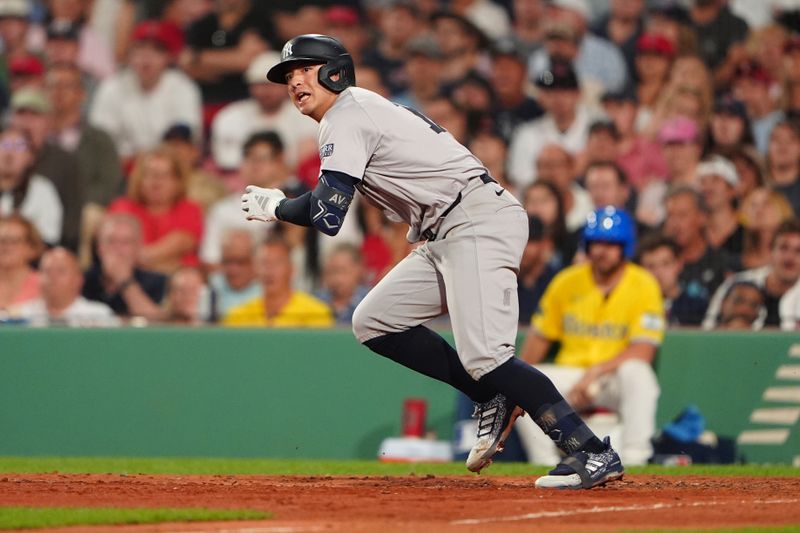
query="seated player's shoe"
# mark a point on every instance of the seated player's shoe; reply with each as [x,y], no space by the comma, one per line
[495,420]
[584,470]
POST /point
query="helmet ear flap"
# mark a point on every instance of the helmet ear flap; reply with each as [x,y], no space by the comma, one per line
[342,67]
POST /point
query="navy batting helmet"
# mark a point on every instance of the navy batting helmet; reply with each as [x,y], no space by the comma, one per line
[315,49]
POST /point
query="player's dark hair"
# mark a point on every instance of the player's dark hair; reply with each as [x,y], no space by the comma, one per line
[787,227]
[652,242]
[264,137]
[622,176]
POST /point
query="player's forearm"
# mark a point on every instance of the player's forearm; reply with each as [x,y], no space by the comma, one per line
[535,348]
[637,350]
[296,210]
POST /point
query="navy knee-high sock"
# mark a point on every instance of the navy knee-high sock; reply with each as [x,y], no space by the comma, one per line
[536,394]
[426,352]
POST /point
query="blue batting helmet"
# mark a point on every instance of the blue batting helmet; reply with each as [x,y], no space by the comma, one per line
[609,224]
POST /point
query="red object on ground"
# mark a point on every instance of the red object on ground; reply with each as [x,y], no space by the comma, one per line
[414,410]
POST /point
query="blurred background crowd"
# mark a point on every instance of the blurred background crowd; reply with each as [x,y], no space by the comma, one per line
[131,127]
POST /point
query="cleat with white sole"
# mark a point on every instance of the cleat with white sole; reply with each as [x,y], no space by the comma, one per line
[584,470]
[495,420]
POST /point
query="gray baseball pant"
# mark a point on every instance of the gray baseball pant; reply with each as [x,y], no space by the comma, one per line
[469,270]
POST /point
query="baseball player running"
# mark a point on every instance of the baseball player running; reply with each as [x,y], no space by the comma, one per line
[474,234]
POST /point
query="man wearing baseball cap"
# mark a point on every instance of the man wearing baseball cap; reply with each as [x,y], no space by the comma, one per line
[752,84]
[30,112]
[137,105]
[682,147]
[719,182]
[597,61]
[566,122]
[639,156]
[268,108]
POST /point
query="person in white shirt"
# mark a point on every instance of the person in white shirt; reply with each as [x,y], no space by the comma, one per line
[263,163]
[566,123]
[557,166]
[268,108]
[61,303]
[24,192]
[137,105]
[777,280]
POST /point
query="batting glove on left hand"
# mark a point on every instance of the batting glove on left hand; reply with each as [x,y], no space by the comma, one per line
[260,204]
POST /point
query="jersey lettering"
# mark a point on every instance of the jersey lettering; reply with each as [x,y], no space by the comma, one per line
[434,126]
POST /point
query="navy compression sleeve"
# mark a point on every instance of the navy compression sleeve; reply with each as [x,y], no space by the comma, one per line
[296,210]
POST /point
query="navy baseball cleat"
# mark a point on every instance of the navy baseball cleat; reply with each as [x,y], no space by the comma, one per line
[495,420]
[584,470]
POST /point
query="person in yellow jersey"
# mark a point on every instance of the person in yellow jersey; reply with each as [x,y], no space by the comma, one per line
[280,305]
[608,316]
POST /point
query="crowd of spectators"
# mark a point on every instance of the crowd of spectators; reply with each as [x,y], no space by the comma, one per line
[130,127]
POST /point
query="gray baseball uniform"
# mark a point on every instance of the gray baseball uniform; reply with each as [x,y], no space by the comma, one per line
[475,233]
[419,174]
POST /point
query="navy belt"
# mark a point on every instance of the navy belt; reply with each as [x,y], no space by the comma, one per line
[429,235]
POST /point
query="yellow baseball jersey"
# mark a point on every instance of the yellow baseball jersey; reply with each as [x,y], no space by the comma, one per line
[593,327]
[301,311]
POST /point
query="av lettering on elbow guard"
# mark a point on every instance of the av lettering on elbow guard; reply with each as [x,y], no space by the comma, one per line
[330,200]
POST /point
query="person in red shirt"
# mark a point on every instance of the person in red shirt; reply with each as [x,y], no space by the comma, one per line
[172,225]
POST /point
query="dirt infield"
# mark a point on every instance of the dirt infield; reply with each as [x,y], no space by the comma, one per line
[423,503]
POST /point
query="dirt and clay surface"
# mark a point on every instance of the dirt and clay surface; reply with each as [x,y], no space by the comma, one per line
[421,503]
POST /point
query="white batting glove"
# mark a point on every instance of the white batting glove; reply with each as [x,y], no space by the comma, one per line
[259,203]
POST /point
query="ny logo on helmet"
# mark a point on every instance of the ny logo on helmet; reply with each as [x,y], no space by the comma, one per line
[287,50]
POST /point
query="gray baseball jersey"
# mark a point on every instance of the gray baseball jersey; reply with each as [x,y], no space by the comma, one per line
[415,171]
[408,166]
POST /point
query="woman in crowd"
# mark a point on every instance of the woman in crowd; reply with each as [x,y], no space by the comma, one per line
[543,200]
[25,192]
[20,246]
[172,225]
[654,57]
[750,168]
[729,128]
[762,211]
[688,93]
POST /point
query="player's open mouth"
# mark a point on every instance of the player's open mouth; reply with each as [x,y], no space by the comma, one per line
[302,97]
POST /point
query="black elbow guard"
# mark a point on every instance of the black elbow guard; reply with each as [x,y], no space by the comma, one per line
[330,200]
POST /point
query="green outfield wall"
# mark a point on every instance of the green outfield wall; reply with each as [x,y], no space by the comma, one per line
[319,394]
